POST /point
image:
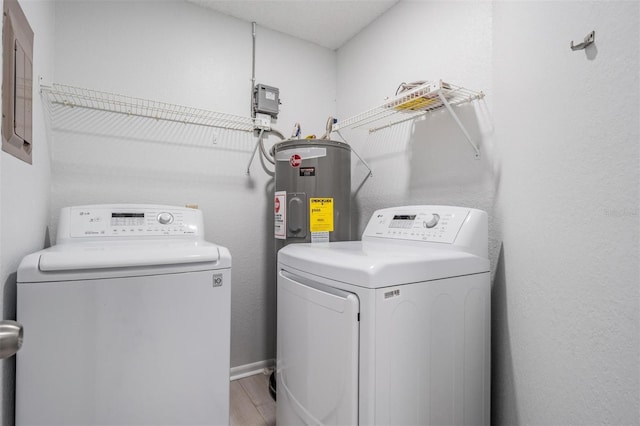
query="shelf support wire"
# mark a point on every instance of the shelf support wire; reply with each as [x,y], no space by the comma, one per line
[459,123]
[354,151]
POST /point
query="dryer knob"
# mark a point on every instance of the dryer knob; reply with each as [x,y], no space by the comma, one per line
[165,218]
[432,222]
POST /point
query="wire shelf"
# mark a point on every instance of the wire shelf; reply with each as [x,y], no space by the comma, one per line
[104,101]
[408,105]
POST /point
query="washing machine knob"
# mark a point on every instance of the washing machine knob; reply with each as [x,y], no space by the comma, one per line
[165,218]
[432,222]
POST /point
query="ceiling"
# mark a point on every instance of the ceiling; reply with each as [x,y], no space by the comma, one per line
[328,23]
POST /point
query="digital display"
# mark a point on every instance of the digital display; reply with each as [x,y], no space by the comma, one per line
[127,215]
[404,217]
[402,221]
[127,219]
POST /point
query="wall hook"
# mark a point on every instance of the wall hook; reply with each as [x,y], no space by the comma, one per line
[590,38]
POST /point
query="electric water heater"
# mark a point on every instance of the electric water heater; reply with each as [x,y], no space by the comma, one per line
[312,200]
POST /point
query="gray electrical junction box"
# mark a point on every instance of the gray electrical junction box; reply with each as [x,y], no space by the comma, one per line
[266,100]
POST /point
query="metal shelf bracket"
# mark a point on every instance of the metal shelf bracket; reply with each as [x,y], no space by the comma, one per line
[414,103]
[370,174]
[460,125]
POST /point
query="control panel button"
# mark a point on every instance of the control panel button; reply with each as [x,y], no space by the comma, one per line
[165,218]
[431,222]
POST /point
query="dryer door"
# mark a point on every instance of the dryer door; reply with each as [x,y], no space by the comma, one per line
[317,367]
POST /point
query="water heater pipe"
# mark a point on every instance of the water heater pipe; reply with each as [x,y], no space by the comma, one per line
[260,142]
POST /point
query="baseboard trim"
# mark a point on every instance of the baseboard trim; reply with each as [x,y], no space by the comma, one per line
[247,370]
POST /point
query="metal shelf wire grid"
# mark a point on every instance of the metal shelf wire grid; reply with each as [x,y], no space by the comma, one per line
[104,101]
[411,104]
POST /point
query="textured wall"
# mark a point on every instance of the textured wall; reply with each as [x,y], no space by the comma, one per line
[559,177]
[24,192]
[429,161]
[566,295]
[181,53]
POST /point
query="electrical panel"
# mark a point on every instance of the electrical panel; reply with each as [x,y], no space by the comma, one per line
[266,100]
[17,82]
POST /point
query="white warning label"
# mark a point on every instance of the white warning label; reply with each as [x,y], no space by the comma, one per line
[320,237]
[280,215]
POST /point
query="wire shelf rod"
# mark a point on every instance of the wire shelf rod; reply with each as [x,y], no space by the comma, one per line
[138,107]
[412,104]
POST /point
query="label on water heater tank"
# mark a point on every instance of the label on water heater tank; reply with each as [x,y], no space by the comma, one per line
[319,237]
[280,215]
[307,171]
[304,153]
[321,215]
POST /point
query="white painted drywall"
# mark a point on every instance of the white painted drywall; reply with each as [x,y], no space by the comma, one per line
[184,54]
[429,161]
[567,290]
[25,193]
[559,177]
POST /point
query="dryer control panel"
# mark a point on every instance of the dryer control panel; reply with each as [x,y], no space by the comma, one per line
[128,220]
[435,224]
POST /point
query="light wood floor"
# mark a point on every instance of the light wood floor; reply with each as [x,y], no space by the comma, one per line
[251,404]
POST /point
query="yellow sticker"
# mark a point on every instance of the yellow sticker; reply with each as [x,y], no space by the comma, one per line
[417,104]
[321,214]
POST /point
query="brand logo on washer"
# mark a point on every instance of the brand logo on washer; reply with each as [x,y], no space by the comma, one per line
[217,280]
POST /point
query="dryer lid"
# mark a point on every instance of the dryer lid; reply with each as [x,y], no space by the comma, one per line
[379,264]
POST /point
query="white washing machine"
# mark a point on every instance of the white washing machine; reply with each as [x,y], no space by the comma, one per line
[126,321]
[390,330]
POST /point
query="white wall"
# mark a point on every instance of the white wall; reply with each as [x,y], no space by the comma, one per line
[180,53]
[25,192]
[559,177]
[566,294]
[429,162]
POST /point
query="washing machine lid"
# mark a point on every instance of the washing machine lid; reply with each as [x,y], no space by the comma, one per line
[116,258]
[379,264]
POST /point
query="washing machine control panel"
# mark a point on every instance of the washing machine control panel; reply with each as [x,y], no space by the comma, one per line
[130,221]
[439,224]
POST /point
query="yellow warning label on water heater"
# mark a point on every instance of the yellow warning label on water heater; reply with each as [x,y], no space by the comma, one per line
[321,214]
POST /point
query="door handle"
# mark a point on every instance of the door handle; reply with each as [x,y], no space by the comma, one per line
[10,338]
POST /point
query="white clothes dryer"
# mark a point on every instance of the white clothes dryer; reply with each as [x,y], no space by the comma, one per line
[390,330]
[127,321]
